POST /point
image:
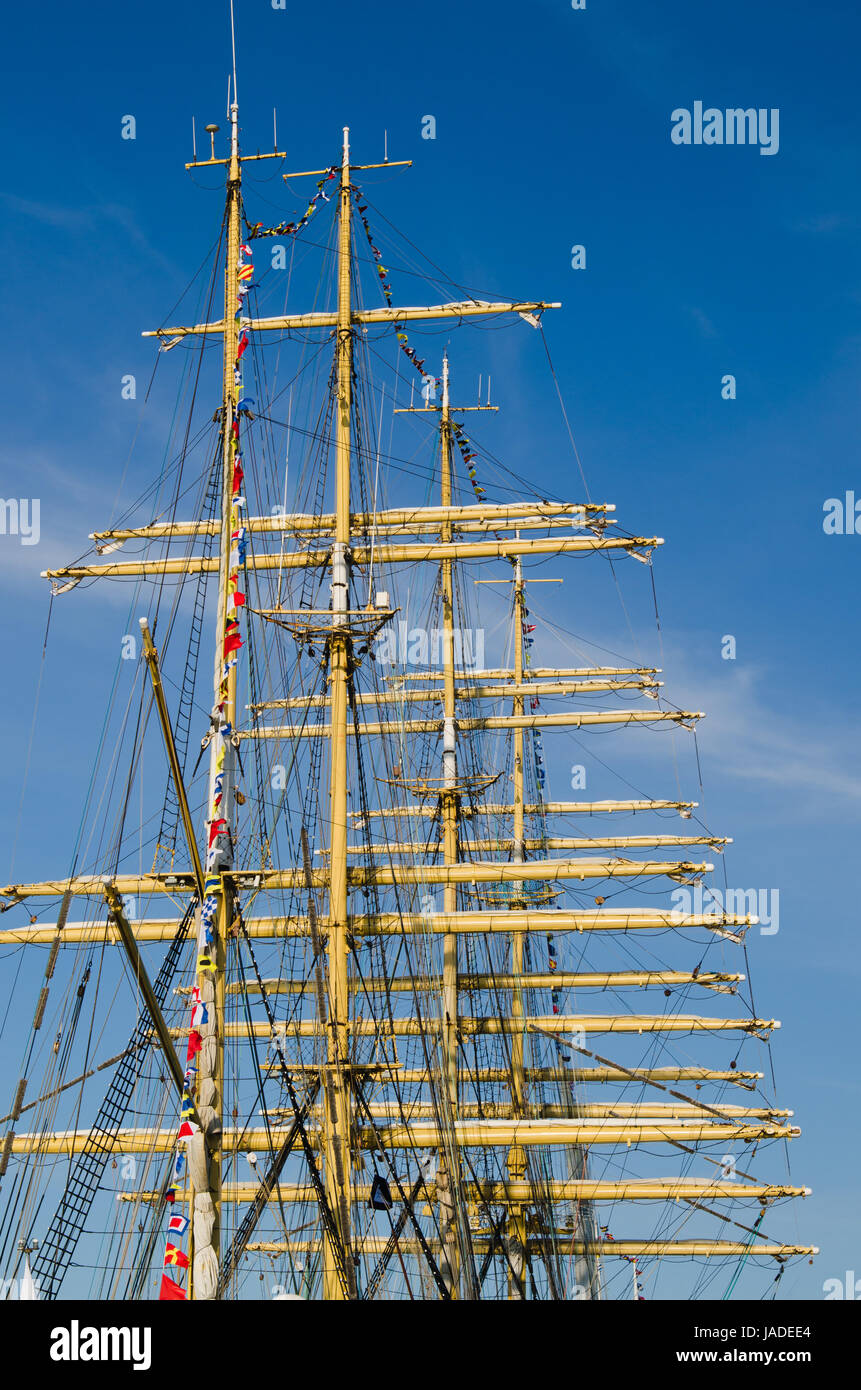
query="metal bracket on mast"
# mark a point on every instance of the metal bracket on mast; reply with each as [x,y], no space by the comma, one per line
[212,131]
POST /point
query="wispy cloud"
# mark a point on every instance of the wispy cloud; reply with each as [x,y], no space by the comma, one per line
[51,214]
[750,737]
[83,220]
[752,732]
[826,224]
[702,321]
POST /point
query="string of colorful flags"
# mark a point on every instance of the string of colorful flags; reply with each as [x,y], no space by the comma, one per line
[537,745]
[177,1226]
[632,1259]
[468,455]
[257,229]
[541,779]
[174,1258]
[467,452]
[219,843]
[408,351]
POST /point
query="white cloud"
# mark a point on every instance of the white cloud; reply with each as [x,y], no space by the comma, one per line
[749,736]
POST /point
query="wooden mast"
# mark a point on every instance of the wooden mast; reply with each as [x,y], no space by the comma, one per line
[516,1233]
[448,1176]
[205,1149]
[336,1089]
[205,1266]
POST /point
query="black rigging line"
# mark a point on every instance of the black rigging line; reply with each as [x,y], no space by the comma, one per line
[169,827]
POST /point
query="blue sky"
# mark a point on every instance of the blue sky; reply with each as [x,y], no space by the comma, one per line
[553,129]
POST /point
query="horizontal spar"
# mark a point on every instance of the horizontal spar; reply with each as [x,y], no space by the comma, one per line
[382,554]
[322,528]
[501,1193]
[476,525]
[386,923]
[612,1110]
[532,690]
[482,871]
[470,675]
[470,308]
[425,1135]
[409,1076]
[548,808]
[499,1024]
[603,1075]
[305,523]
[579,720]
[559,979]
[488,1133]
[537,1245]
[552,842]
[567,1075]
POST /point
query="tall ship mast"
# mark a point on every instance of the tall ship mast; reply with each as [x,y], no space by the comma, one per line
[355,1009]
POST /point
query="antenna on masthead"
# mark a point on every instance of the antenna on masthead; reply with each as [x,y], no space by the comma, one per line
[233,48]
[233,106]
[233,159]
